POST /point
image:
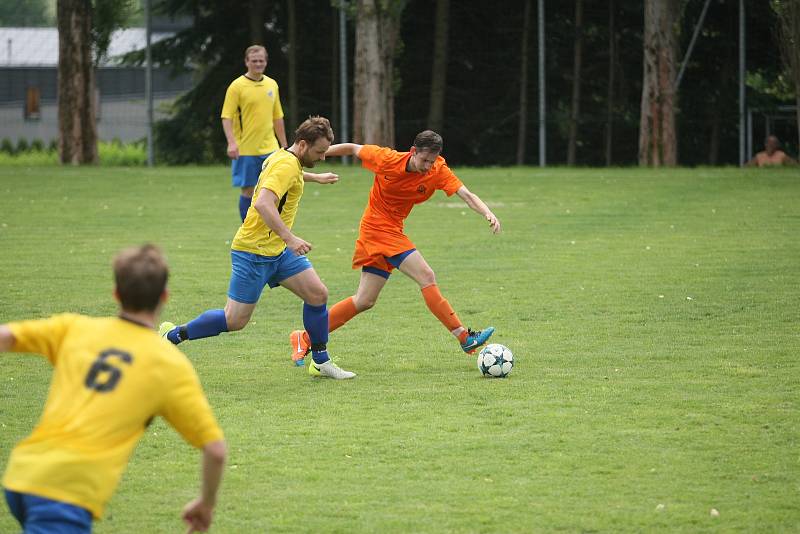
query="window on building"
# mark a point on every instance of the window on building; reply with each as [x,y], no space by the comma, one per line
[33,111]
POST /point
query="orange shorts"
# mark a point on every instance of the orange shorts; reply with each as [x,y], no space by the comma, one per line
[374,246]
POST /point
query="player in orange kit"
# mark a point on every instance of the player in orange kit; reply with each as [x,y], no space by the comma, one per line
[402,179]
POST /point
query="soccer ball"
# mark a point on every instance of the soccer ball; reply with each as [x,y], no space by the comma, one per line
[495,360]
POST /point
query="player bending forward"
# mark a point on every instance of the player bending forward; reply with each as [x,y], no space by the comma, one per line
[265,252]
[402,179]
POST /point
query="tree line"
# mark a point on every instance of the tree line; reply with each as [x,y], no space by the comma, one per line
[469,70]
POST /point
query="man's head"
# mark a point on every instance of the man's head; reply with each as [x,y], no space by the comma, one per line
[141,276]
[255,59]
[771,144]
[427,147]
[312,139]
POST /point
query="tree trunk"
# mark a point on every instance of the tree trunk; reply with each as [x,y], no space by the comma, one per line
[789,33]
[76,85]
[612,70]
[293,121]
[377,31]
[255,16]
[576,84]
[439,71]
[657,139]
[522,131]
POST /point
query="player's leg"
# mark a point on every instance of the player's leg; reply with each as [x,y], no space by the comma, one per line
[413,265]
[245,171]
[248,278]
[245,199]
[369,288]
[307,285]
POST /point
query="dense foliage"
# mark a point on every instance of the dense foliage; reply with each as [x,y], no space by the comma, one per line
[482,97]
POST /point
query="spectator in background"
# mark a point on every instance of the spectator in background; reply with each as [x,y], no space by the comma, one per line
[771,155]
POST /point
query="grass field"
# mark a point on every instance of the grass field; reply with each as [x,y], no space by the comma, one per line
[653,314]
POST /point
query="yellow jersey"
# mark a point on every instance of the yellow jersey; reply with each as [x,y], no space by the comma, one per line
[252,106]
[111,377]
[283,175]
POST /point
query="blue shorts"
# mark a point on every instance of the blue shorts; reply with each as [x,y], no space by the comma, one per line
[38,515]
[246,169]
[250,273]
[394,261]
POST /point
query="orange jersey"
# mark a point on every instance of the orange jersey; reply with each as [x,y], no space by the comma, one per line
[394,193]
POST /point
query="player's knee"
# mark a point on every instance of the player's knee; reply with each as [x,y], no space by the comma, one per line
[364,303]
[427,278]
[236,322]
[318,296]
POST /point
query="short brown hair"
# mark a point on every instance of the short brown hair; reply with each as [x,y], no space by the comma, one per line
[428,140]
[141,276]
[255,48]
[312,129]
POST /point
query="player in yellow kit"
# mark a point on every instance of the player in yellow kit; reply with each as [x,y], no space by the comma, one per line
[111,376]
[252,118]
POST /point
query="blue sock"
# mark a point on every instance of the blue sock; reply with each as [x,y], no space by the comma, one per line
[244,205]
[207,324]
[315,320]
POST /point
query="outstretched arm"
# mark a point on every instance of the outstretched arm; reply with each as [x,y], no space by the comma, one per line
[320,178]
[199,513]
[344,149]
[476,204]
[6,338]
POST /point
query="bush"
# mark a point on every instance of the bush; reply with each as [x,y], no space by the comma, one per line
[22,145]
[37,145]
[6,146]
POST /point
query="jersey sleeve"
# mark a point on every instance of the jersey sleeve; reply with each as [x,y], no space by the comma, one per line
[448,181]
[376,158]
[186,408]
[41,336]
[277,109]
[231,103]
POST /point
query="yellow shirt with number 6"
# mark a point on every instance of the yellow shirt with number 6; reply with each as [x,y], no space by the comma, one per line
[111,377]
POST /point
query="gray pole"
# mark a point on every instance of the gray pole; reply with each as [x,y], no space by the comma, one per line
[542,121]
[148,83]
[691,45]
[742,106]
[343,75]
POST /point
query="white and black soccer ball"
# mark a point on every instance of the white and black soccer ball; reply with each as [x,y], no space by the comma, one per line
[495,360]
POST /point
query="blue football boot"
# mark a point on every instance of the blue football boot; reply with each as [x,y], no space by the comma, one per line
[476,338]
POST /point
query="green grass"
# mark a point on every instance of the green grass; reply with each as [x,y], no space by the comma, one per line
[653,314]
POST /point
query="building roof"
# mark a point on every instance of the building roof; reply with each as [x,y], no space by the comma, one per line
[38,47]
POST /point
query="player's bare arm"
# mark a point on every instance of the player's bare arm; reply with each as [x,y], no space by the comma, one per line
[477,205]
[280,131]
[233,147]
[343,149]
[6,338]
[267,206]
[320,178]
[198,513]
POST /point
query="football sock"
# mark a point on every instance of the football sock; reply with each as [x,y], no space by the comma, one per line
[315,320]
[341,312]
[440,307]
[244,205]
[207,324]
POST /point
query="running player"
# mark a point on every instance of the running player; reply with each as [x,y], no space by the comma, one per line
[252,117]
[266,252]
[111,377]
[402,179]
